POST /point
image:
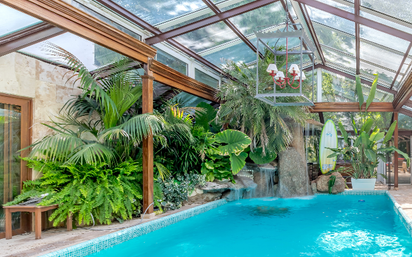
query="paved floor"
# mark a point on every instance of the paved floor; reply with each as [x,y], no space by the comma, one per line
[55,239]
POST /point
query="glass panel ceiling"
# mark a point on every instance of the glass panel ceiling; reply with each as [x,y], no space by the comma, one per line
[252,21]
[207,37]
[383,39]
[380,56]
[369,70]
[158,11]
[13,20]
[92,55]
[331,20]
[335,39]
[399,9]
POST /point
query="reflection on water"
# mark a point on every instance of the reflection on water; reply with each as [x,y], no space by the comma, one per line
[269,210]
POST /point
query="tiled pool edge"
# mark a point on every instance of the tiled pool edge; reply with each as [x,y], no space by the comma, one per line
[104,242]
[405,219]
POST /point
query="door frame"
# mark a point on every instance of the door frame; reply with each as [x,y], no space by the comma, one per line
[26,135]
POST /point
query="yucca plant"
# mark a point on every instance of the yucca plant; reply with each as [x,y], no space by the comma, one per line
[369,145]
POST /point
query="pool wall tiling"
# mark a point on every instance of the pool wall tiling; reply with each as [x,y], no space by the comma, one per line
[104,242]
[107,241]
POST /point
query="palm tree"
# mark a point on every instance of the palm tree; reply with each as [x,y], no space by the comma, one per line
[268,126]
[95,127]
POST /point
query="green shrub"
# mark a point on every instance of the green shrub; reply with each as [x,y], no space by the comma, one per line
[82,190]
[177,190]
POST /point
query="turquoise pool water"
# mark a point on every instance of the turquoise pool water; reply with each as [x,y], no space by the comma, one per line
[347,225]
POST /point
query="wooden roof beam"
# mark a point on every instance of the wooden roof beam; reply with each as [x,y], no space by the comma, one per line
[351,107]
[27,37]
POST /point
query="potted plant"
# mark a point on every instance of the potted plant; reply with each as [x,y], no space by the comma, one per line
[369,145]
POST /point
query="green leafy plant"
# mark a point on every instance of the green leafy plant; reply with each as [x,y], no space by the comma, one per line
[369,145]
[177,190]
[83,190]
[225,156]
[258,157]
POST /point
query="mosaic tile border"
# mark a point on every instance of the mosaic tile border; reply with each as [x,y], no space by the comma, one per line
[104,242]
[405,219]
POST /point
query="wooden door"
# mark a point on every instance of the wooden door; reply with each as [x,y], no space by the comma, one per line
[15,123]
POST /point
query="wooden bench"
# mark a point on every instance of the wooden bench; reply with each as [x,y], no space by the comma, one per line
[37,210]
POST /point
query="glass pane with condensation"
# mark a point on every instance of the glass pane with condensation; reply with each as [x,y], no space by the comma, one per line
[207,37]
[159,11]
[331,20]
[369,70]
[252,21]
[400,9]
[344,5]
[339,59]
[92,55]
[380,56]
[13,20]
[227,5]
[406,27]
[239,52]
[335,39]
[383,39]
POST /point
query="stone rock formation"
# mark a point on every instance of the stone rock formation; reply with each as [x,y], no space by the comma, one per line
[322,183]
[293,178]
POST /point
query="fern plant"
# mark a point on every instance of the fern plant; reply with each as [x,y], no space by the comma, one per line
[87,191]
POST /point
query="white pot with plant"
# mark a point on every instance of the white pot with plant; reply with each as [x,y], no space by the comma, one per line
[370,145]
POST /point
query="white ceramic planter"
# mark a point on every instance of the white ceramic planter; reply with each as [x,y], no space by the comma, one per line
[363,184]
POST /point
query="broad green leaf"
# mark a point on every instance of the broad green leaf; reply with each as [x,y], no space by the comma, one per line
[359,91]
[392,149]
[237,162]
[372,92]
[367,126]
[209,165]
[258,157]
[376,136]
[365,139]
[234,141]
[390,132]
[371,155]
[344,133]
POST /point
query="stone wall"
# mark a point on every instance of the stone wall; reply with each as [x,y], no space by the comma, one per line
[25,76]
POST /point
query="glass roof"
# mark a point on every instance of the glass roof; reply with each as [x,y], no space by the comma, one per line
[92,55]
[379,52]
[13,20]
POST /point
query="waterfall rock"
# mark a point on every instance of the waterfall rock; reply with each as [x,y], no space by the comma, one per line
[217,186]
[293,177]
[313,186]
[264,177]
[322,183]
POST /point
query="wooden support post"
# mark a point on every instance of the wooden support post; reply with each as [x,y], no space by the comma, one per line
[396,155]
[9,228]
[37,223]
[147,107]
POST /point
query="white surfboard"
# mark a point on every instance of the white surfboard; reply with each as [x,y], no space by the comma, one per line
[328,138]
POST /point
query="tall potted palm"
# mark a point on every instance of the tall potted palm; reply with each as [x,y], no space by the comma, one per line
[369,145]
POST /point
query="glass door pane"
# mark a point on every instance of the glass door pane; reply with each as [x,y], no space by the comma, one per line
[10,163]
